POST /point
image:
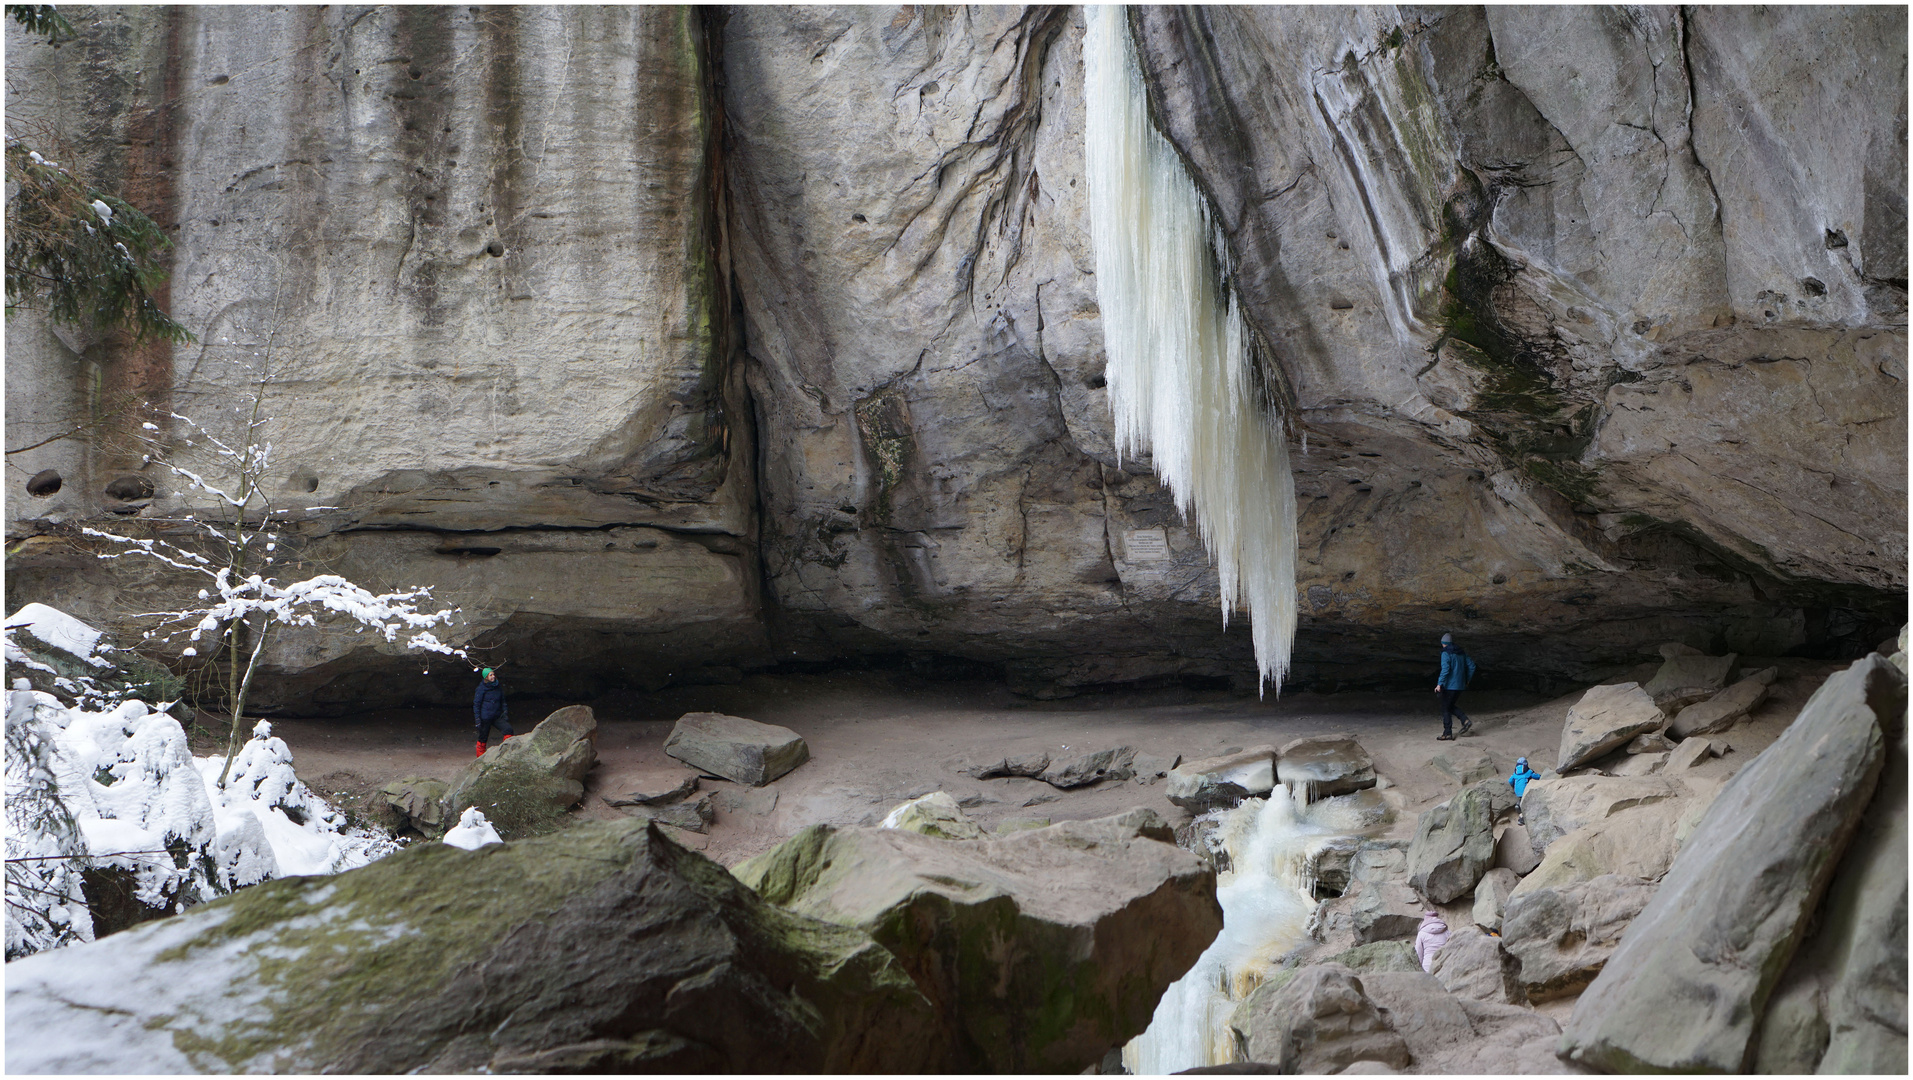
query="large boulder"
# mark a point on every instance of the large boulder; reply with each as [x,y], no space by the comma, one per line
[1687,986]
[1684,679]
[1328,1018]
[1637,842]
[1473,965]
[1491,897]
[1558,806]
[1515,851]
[739,750]
[1604,720]
[1042,949]
[1841,1007]
[1454,845]
[1378,956]
[525,784]
[1377,904]
[606,948]
[1466,764]
[1560,938]
[1459,1034]
[1217,782]
[1319,1021]
[1720,711]
[1329,764]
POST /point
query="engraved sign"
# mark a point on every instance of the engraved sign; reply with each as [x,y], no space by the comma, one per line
[1145,546]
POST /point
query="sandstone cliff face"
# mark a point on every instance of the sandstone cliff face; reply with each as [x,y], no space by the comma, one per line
[1593,322]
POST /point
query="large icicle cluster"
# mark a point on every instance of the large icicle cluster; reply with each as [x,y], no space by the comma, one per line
[1179,364]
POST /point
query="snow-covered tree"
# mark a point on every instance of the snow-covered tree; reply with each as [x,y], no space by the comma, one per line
[231,539]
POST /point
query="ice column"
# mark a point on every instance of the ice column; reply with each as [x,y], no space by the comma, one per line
[1179,363]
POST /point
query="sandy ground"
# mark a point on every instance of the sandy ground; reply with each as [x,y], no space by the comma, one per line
[876,740]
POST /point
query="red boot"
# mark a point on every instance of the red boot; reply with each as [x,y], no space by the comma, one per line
[481,750]
[508,737]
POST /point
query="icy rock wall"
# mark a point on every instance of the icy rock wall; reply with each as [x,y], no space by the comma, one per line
[1182,388]
[1573,363]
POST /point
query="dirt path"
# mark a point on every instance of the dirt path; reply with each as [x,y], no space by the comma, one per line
[876,740]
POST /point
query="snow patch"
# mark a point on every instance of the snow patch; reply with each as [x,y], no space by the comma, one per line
[472,831]
[60,630]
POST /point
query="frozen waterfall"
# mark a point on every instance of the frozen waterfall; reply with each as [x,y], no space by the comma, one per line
[1267,898]
[1180,375]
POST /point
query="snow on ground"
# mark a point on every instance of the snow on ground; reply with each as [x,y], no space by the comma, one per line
[120,787]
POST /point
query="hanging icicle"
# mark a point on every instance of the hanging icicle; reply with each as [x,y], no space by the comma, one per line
[1179,365]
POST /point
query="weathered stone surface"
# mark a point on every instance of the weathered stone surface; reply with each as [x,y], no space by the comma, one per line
[1499,794]
[1095,767]
[1320,1021]
[936,814]
[1684,989]
[1473,965]
[696,815]
[1692,752]
[1330,764]
[1515,851]
[416,802]
[1651,743]
[1032,765]
[437,959]
[1684,680]
[1378,905]
[1467,765]
[1560,938]
[1605,719]
[742,751]
[1354,812]
[1211,783]
[1153,767]
[1558,806]
[1461,1035]
[1637,842]
[1720,711]
[655,788]
[525,784]
[1042,948]
[1640,764]
[1454,846]
[1378,956]
[1622,361]
[1491,896]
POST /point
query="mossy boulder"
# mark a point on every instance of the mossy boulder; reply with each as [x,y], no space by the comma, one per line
[604,948]
[1042,949]
[525,785]
[416,803]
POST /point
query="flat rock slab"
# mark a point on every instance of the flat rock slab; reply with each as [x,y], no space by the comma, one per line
[1604,720]
[1682,993]
[1032,764]
[739,750]
[1217,782]
[695,815]
[1683,680]
[1467,765]
[1721,711]
[1046,947]
[437,959]
[1091,768]
[1329,764]
[654,788]
[1558,806]
[936,814]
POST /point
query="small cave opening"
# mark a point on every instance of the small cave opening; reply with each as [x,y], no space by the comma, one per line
[44,483]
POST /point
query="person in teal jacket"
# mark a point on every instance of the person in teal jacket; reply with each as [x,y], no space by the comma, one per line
[1457,667]
[1519,781]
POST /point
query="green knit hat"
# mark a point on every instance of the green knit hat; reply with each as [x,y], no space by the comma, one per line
[485,673]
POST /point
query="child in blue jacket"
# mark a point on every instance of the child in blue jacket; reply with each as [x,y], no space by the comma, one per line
[1519,781]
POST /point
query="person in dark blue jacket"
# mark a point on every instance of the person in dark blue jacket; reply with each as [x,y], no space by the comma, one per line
[1519,781]
[488,709]
[1457,667]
